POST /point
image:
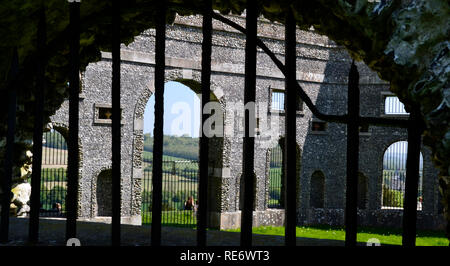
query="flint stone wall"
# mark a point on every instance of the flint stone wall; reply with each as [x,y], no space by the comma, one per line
[322,70]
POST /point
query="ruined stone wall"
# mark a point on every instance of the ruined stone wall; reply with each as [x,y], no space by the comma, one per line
[322,70]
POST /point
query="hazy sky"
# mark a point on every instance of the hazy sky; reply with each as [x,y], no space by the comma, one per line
[181,111]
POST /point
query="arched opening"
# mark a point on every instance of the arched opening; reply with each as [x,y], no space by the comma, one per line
[317,192]
[53,174]
[394,176]
[276,179]
[104,193]
[182,121]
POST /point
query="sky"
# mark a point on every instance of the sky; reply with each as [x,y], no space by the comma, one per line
[181,111]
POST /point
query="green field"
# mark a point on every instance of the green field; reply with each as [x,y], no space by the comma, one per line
[386,236]
[183,147]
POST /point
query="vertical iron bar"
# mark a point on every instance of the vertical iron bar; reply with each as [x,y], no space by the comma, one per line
[249,134]
[163,188]
[352,157]
[9,149]
[45,148]
[116,118]
[171,188]
[204,145]
[415,130]
[72,142]
[280,180]
[290,147]
[160,48]
[33,233]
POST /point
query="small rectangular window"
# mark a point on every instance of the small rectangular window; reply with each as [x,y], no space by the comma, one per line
[104,113]
[318,126]
[277,100]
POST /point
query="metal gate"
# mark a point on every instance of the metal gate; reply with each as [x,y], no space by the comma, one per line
[179,193]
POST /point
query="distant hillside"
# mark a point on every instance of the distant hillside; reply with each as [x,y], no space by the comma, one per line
[182,147]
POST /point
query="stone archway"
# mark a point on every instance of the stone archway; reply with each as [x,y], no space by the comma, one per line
[192,80]
[63,130]
[103,174]
[394,176]
[181,76]
[317,191]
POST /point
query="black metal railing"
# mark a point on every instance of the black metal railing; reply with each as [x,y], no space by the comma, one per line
[180,198]
[293,92]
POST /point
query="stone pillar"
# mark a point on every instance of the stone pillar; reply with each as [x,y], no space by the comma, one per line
[218,181]
[137,174]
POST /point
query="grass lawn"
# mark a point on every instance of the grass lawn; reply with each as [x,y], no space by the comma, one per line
[173,218]
[386,236]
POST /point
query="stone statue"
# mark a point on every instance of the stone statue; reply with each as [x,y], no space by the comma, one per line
[21,189]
